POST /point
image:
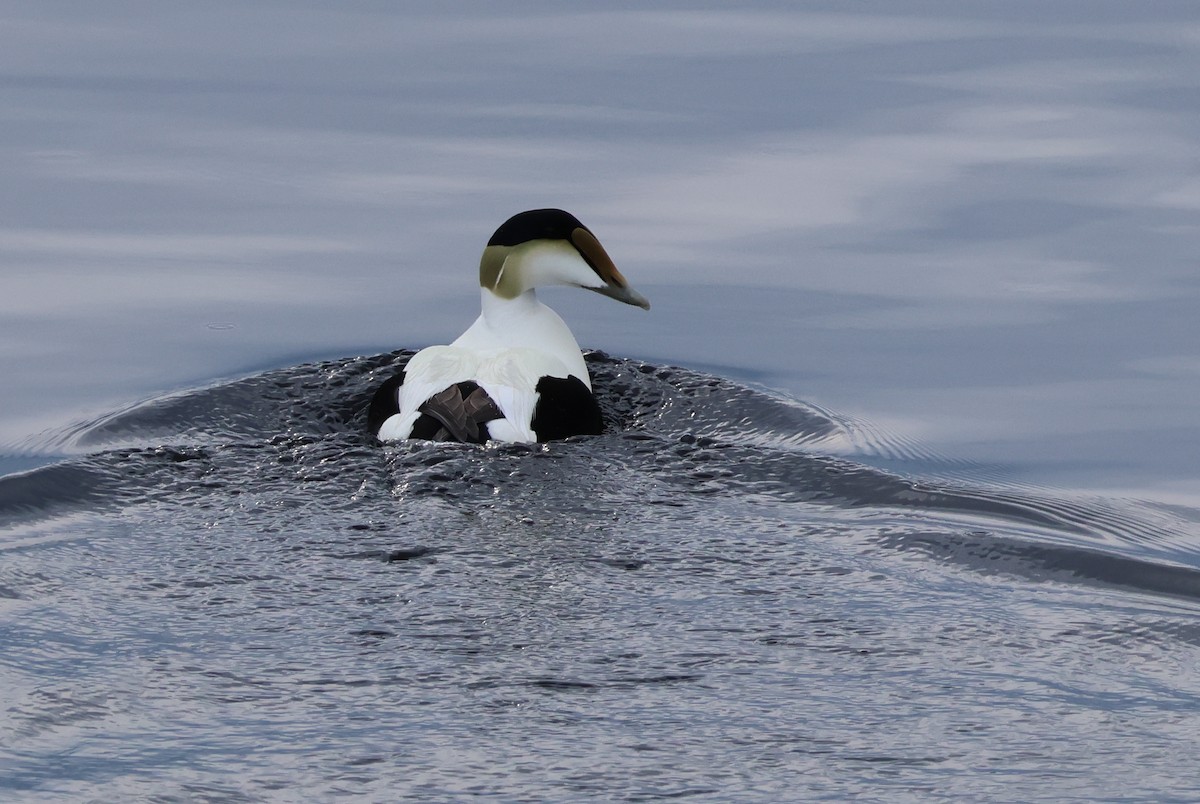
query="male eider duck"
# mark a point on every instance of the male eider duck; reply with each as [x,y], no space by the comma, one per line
[517,373]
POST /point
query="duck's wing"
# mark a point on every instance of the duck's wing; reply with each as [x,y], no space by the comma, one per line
[396,408]
[510,379]
[460,410]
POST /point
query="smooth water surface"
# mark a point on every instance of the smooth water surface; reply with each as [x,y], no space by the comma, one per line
[954,552]
[974,227]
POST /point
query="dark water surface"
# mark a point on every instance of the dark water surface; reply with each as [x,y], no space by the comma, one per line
[953,554]
[235,595]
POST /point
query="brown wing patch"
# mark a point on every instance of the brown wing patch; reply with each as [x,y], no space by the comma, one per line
[461,409]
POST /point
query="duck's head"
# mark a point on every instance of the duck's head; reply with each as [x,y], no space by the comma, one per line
[550,247]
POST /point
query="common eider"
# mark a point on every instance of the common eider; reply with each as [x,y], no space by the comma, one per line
[517,373]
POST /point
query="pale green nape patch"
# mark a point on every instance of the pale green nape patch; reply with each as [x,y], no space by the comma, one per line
[491,270]
[505,270]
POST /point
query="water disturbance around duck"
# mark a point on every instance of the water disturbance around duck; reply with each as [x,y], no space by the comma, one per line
[251,595]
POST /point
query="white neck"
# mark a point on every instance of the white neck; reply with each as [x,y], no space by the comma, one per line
[503,314]
[523,323]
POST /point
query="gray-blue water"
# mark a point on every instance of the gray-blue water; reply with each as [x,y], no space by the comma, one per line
[899,499]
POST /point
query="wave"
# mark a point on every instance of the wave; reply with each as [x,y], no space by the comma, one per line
[676,438]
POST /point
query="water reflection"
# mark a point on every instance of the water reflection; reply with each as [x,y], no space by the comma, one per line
[976,226]
[966,232]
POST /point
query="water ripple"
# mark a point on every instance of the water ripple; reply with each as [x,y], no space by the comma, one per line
[238,573]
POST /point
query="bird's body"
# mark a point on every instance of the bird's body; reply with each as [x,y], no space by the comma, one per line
[517,373]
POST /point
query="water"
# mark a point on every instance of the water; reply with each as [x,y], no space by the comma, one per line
[918,519]
[237,595]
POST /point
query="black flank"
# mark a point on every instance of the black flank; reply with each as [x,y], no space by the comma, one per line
[385,404]
[565,408]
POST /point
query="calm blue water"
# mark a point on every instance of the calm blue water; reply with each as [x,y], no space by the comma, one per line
[919,516]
